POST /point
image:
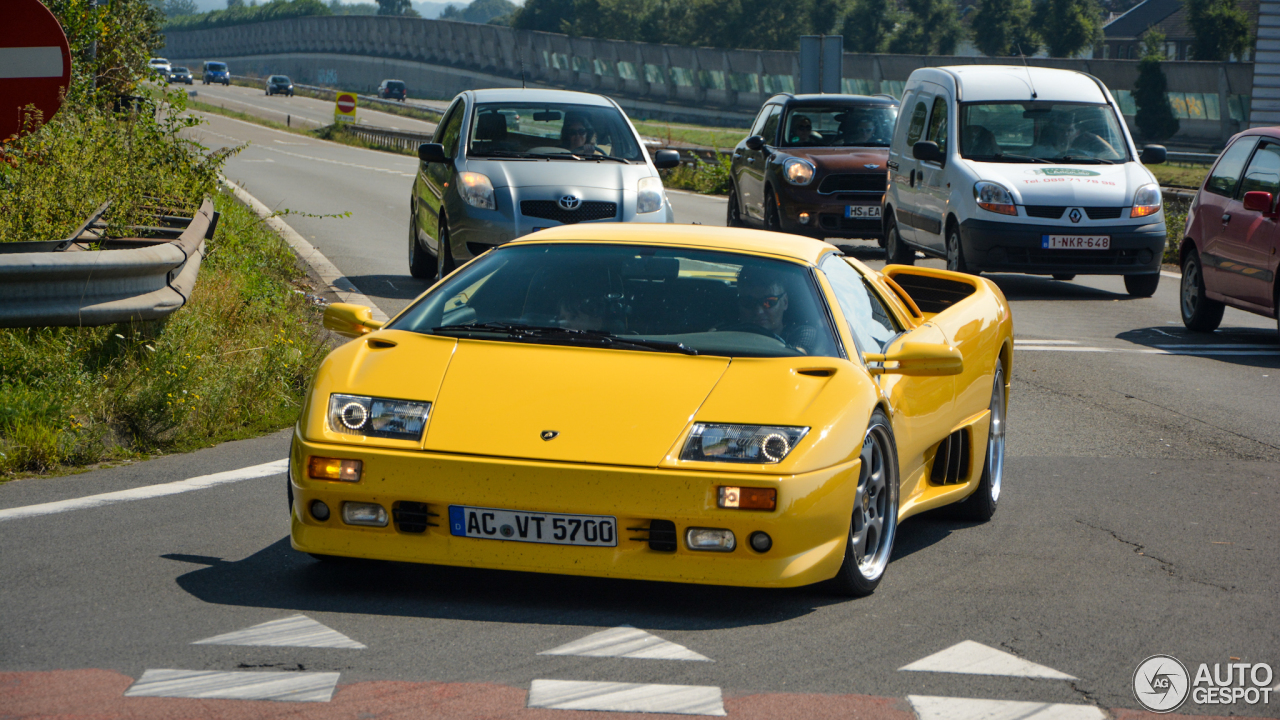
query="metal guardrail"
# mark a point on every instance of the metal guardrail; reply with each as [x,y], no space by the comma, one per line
[329,93]
[400,139]
[125,279]
[1189,157]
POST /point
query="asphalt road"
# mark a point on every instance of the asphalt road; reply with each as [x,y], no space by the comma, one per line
[1138,517]
[303,111]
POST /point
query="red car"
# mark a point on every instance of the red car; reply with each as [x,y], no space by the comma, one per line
[1232,246]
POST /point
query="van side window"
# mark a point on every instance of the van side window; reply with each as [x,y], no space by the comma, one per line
[1226,174]
[451,129]
[916,128]
[938,124]
[770,130]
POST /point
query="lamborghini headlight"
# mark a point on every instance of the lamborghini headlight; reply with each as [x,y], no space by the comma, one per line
[649,197]
[378,417]
[717,442]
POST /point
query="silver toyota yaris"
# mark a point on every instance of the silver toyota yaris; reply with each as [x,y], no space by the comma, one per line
[508,162]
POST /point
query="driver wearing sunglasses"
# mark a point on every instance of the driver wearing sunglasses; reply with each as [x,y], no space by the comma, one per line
[762,309]
[576,136]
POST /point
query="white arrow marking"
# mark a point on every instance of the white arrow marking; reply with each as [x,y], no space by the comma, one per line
[30,62]
[296,631]
[628,642]
[973,658]
[626,697]
[278,686]
[946,708]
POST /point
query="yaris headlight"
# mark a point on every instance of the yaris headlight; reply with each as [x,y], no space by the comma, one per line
[649,195]
[476,190]
[719,442]
[798,171]
[1146,201]
[378,417]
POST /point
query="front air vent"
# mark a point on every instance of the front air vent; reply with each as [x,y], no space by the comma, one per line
[660,534]
[873,182]
[1051,212]
[551,210]
[1103,213]
[412,517]
[951,462]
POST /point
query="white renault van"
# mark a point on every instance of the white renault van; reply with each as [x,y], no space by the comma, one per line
[1022,169]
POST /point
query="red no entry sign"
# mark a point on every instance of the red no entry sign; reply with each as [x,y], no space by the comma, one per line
[35,63]
[346,103]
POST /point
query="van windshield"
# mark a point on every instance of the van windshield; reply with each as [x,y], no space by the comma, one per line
[1051,132]
[215,67]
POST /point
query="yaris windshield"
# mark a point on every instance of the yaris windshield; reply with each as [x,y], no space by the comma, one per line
[626,297]
[555,131]
[1041,132]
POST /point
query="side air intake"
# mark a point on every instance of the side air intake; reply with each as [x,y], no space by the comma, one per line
[951,462]
[661,535]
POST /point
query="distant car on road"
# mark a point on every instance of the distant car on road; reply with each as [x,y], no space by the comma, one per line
[814,165]
[279,85]
[216,72]
[1231,252]
[573,157]
[393,90]
[181,75]
[160,65]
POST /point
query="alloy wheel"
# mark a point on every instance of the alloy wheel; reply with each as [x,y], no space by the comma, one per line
[875,517]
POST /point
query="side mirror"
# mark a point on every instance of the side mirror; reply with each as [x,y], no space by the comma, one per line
[666,159]
[927,150]
[1153,154]
[916,358]
[755,143]
[432,153]
[1258,201]
[350,320]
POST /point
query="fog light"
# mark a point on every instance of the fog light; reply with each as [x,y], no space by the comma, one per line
[761,542]
[1145,257]
[748,498]
[713,539]
[372,514]
[804,218]
[323,468]
[319,510]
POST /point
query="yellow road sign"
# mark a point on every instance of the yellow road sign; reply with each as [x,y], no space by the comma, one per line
[344,109]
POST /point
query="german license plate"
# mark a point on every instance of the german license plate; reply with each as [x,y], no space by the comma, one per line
[862,211]
[533,527]
[1075,242]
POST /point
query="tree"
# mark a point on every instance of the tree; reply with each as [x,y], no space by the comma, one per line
[1221,29]
[395,7]
[237,4]
[931,27]
[1003,27]
[1154,118]
[544,15]
[174,8]
[479,11]
[868,25]
[1067,26]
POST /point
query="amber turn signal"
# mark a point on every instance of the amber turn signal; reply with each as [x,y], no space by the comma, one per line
[748,498]
[323,468]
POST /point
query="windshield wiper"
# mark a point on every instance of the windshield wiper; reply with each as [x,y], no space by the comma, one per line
[524,155]
[1000,157]
[594,337]
[604,157]
[1070,160]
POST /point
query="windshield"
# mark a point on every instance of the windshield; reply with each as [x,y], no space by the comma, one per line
[215,67]
[839,126]
[551,130]
[632,298]
[395,85]
[180,70]
[1041,131]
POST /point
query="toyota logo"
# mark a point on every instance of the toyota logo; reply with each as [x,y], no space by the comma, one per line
[569,202]
[1074,215]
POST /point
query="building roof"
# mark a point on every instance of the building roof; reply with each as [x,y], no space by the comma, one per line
[1140,17]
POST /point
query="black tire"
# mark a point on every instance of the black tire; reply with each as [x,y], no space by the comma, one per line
[874,521]
[1199,313]
[981,505]
[421,264]
[896,251]
[444,257]
[1064,277]
[733,213]
[771,221]
[955,252]
[880,241]
[1141,286]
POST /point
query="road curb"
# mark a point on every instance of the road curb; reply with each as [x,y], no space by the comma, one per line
[329,273]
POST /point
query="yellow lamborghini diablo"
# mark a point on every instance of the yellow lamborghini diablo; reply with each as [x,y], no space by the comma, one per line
[681,403]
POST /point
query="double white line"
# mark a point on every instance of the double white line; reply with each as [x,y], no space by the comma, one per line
[1222,349]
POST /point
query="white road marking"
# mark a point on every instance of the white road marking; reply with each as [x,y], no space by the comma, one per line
[972,658]
[1204,350]
[328,272]
[629,642]
[1174,275]
[275,467]
[946,708]
[296,631]
[626,697]
[262,160]
[268,148]
[1044,342]
[209,684]
[30,62]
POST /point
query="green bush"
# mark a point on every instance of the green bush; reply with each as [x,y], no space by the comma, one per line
[243,14]
[709,177]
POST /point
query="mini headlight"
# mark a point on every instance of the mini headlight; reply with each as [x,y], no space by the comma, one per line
[994,197]
[798,171]
[1146,201]
[717,442]
[378,417]
[476,190]
[649,195]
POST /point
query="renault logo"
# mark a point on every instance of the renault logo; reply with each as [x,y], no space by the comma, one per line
[1074,215]
[549,434]
[569,202]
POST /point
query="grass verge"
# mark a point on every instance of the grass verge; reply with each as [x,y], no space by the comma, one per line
[1180,175]
[332,133]
[233,363]
[700,135]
